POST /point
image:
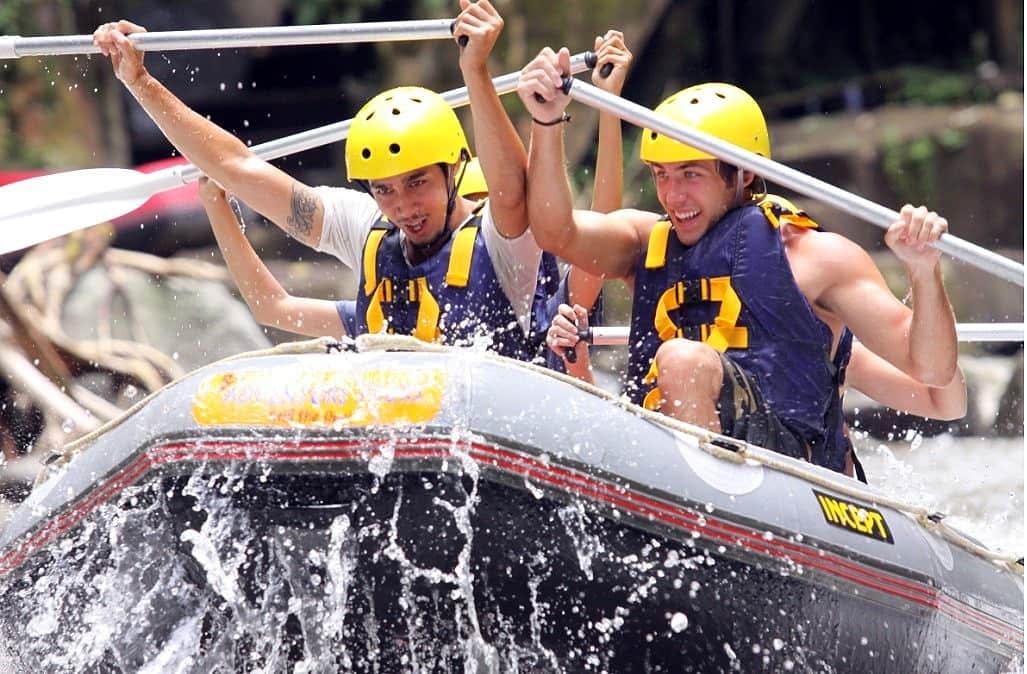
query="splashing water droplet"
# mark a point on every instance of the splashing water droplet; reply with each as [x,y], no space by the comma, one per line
[679,622]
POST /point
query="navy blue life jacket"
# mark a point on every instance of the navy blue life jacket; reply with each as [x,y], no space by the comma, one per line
[453,297]
[734,290]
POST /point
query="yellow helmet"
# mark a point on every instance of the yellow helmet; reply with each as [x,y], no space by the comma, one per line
[473,181]
[721,110]
[400,130]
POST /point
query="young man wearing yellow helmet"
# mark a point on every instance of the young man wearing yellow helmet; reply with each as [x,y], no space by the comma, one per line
[737,329]
[431,264]
[857,367]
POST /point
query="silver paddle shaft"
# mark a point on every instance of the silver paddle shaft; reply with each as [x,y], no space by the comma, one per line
[176,176]
[967,332]
[864,209]
[15,46]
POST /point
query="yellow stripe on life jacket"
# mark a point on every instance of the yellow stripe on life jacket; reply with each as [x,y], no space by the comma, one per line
[427,328]
[654,399]
[723,333]
[460,253]
[375,313]
[656,253]
[371,245]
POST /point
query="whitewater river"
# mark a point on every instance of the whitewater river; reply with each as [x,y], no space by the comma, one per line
[977,482]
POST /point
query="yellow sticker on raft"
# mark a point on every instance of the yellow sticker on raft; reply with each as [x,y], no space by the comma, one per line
[854,517]
[289,396]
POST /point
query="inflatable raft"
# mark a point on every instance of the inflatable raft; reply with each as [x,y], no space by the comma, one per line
[449,510]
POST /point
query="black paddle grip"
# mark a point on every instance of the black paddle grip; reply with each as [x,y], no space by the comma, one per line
[571,354]
[462,40]
[591,60]
[565,87]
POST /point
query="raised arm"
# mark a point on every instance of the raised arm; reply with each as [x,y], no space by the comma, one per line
[921,342]
[608,187]
[270,303]
[499,149]
[601,244]
[288,203]
[878,379]
[933,348]
[583,288]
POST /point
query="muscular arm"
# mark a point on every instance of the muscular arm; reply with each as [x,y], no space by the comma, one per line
[874,377]
[289,204]
[601,244]
[270,303]
[921,342]
[500,150]
[582,287]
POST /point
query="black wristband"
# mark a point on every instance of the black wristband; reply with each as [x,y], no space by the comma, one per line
[562,119]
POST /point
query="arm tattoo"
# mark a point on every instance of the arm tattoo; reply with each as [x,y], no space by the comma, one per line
[303,205]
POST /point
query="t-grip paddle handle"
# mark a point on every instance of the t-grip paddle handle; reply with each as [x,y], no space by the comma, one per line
[462,40]
[565,84]
[590,61]
[571,354]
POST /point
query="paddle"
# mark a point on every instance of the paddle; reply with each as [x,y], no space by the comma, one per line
[860,207]
[15,46]
[967,332]
[45,207]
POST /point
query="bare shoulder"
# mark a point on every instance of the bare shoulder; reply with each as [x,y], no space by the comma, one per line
[626,221]
[828,250]
[641,221]
[609,244]
[824,261]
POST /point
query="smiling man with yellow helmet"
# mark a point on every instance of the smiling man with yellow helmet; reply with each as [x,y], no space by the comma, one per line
[735,327]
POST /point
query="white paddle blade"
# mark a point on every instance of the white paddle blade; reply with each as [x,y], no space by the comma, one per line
[45,207]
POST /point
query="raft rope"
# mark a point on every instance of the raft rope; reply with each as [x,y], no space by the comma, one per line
[720,446]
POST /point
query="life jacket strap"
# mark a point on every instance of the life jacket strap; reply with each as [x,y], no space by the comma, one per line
[458,273]
[656,252]
[370,261]
[779,211]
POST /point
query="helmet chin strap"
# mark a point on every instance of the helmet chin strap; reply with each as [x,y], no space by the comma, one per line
[739,187]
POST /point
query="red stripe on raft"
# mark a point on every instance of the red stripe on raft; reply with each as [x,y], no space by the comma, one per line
[529,467]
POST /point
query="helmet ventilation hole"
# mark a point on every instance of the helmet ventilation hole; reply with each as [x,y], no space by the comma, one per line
[394,148]
[366,153]
[395,111]
[694,101]
[654,135]
[720,95]
[416,100]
